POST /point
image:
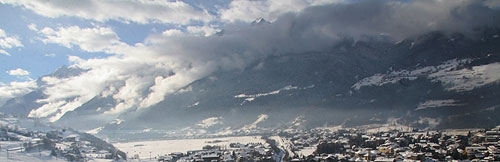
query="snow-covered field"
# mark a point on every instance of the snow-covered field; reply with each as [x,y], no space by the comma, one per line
[306,151]
[17,153]
[162,147]
[462,132]
[391,124]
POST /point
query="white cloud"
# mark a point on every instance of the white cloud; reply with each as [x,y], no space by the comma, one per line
[130,94]
[244,10]
[8,42]
[172,32]
[98,39]
[195,30]
[202,30]
[32,27]
[168,85]
[4,52]
[139,11]
[141,75]
[50,55]
[14,89]
[66,94]
[139,78]
[18,72]
[127,76]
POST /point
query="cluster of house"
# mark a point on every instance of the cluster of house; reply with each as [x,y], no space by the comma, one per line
[73,147]
[396,145]
[214,153]
[349,144]
[61,143]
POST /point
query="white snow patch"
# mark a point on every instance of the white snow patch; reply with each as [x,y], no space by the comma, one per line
[330,129]
[309,87]
[260,118]
[226,132]
[392,124]
[431,121]
[285,144]
[162,147]
[306,151]
[95,131]
[446,73]
[299,120]
[16,154]
[437,103]
[251,97]
[194,104]
[491,108]
[468,79]
[117,121]
[208,122]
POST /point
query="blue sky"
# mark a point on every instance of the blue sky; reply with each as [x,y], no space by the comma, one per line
[34,56]
[39,58]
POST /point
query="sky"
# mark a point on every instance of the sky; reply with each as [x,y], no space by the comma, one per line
[23,48]
[138,51]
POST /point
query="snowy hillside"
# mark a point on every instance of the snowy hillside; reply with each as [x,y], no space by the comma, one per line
[28,139]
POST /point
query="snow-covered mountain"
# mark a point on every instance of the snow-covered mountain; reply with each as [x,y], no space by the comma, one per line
[432,81]
[29,139]
[24,104]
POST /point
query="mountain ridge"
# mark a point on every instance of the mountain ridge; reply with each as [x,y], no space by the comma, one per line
[277,86]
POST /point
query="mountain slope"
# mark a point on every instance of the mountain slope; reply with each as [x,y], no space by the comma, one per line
[431,81]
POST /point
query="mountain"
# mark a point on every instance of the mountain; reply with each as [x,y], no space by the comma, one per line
[260,21]
[24,104]
[432,81]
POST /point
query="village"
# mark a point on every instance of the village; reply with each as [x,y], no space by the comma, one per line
[235,152]
[397,145]
[25,139]
[28,140]
[349,144]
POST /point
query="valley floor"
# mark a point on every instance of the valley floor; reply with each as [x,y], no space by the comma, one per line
[155,149]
